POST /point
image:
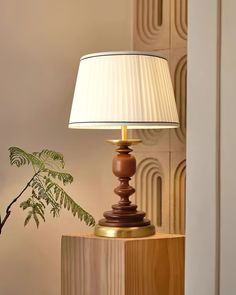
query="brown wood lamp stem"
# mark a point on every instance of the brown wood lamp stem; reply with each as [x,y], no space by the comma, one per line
[124,214]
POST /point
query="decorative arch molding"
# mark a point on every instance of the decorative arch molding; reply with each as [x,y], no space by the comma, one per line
[149,136]
[149,184]
[179,198]
[181,18]
[152,24]
[149,19]
[161,26]
[180,88]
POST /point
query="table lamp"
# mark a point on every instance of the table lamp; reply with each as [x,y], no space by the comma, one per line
[120,90]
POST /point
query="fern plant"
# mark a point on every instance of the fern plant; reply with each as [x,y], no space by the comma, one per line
[44,188]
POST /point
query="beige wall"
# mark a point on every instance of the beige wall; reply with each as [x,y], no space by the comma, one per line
[41,43]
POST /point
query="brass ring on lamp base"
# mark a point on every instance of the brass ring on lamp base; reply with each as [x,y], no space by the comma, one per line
[125,232]
[121,142]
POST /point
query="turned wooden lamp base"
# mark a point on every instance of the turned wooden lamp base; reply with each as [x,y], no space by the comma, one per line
[124,220]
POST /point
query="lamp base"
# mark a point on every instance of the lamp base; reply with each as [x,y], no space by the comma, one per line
[124,220]
[124,232]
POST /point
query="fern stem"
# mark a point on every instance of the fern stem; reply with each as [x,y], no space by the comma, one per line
[8,210]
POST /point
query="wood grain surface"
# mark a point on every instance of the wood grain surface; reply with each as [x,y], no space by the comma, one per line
[103,266]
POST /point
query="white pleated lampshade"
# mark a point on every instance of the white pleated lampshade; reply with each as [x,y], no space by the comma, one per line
[114,89]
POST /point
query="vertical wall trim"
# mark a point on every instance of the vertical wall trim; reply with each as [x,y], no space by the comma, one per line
[218,146]
[202,230]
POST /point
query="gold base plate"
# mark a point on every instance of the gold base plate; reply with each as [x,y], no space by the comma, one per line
[124,232]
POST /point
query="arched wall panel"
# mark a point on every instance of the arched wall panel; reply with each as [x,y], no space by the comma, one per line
[152,187]
[161,26]
[178,194]
[179,19]
[148,196]
[151,24]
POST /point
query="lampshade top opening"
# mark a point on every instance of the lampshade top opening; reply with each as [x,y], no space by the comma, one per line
[112,53]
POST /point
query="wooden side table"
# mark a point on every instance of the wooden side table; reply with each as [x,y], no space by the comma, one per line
[104,266]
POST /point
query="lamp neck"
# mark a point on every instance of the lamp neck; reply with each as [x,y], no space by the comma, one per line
[124,132]
[124,141]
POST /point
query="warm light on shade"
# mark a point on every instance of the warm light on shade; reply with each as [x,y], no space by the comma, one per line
[114,89]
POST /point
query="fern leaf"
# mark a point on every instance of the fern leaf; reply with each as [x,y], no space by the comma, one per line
[36,219]
[42,192]
[19,158]
[27,219]
[50,157]
[26,204]
[71,205]
[66,178]
[39,211]
[37,208]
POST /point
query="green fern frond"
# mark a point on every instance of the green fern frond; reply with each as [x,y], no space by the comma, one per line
[27,219]
[19,158]
[26,204]
[41,192]
[36,219]
[55,211]
[68,203]
[37,209]
[51,157]
[47,165]
[66,178]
